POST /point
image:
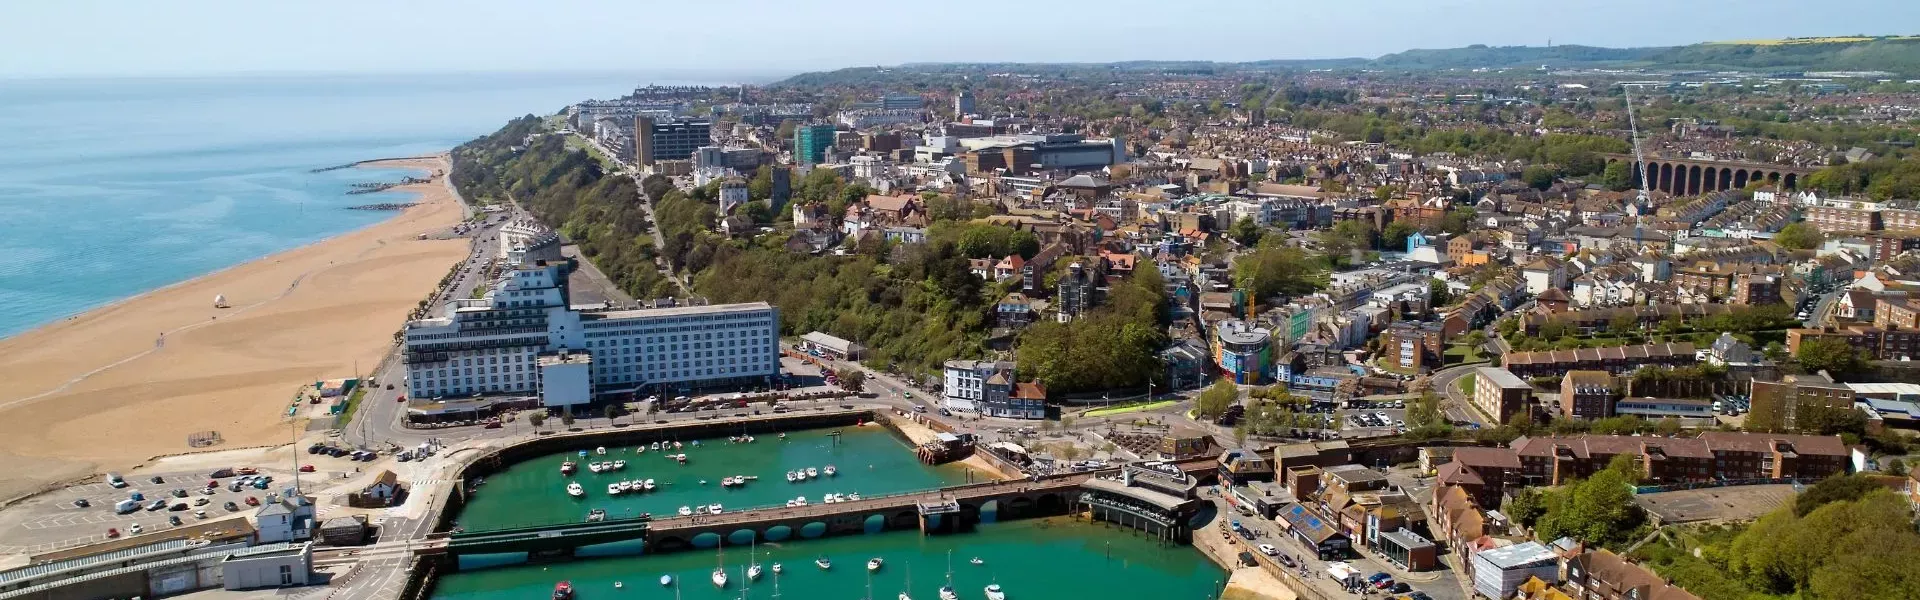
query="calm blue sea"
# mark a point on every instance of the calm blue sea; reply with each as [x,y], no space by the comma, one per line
[109,188]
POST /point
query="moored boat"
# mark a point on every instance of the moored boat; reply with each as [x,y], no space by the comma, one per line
[596,515]
[686,510]
[812,472]
[830,470]
[994,592]
[713,509]
[666,580]
[619,464]
[567,468]
[823,563]
[873,564]
[574,489]
[648,484]
[563,591]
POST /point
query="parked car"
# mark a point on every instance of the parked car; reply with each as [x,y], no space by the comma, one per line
[306,468]
[81,503]
[157,505]
[178,492]
[202,501]
[230,506]
[114,480]
[1400,588]
[112,533]
[246,471]
[1246,558]
[173,520]
[157,479]
[134,529]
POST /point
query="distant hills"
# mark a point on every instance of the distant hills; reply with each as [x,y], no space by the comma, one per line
[1894,54]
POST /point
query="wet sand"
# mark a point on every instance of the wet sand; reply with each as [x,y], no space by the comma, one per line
[116,386]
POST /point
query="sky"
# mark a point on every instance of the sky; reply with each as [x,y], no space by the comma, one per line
[771,38]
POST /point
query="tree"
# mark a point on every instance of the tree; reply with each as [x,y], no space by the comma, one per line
[537,420]
[1274,270]
[1835,356]
[1245,232]
[1618,176]
[613,411]
[1598,510]
[566,418]
[761,187]
[1668,426]
[1394,237]
[1527,507]
[852,380]
[1623,324]
[1459,220]
[1216,399]
[1799,236]
[1839,488]
[1441,295]
[1344,238]
[1538,177]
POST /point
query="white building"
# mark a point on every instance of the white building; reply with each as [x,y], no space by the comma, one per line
[966,382]
[288,520]
[493,344]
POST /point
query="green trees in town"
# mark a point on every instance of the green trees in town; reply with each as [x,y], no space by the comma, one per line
[1834,356]
[1598,510]
[1277,269]
[1799,236]
[1214,401]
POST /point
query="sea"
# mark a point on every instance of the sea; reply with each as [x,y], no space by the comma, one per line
[114,187]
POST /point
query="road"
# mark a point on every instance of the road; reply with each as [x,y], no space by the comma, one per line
[1456,404]
[646,208]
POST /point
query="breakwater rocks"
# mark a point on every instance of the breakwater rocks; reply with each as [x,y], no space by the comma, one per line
[368,188]
[384,206]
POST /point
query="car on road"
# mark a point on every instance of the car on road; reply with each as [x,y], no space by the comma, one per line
[1269,550]
[134,529]
[306,468]
[1400,588]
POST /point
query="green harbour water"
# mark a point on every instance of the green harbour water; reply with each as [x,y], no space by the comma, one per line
[1037,558]
[872,461]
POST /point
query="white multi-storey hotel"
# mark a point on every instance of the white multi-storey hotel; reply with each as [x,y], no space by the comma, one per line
[523,338]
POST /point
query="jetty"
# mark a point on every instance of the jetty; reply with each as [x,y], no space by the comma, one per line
[368,188]
[385,206]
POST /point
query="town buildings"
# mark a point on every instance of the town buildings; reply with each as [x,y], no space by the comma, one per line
[1500,395]
[1587,394]
[506,341]
[1781,404]
[1485,473]
[810,143]
[668,138]
[978,384]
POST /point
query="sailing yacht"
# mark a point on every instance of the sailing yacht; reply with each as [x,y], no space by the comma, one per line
[720,569]
[753,563]
[908,584]
[946,591]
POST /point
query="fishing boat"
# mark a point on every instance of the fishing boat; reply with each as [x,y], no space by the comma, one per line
[613,489]
[994,592]
[812,472]
[713,509]
[666,580]
[686,511]
[873,564]
[830,470]
[596,515]
[823,563]
[619,464]
[574,489]
[563,591]
[595,467]
[567,468]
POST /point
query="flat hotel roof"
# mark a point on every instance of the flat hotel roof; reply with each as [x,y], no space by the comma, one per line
[642,313]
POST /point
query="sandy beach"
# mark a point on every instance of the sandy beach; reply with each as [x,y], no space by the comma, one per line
[105,390]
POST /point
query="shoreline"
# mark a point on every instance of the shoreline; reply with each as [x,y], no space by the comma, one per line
[151,367]
[84,311]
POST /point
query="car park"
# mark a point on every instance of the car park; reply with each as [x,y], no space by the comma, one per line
[156,505]
[134,529]
[179,492]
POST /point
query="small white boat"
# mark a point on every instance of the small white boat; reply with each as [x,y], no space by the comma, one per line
[873,564]
[719,577]
[618,585]
[621,464]
[947,593]
[800,501]
[613,489]
[566,468]
[713,509]
[792,478]
[776,568]
[686,511]
[812,472]
[602,450]
[595,467]
[826,499]
[783,436]
[823,563]
[655,446]
[753,573]
[666,580]
[648,484]
[749,439]
[976,561]
[994,593]
[676,445]
[700,510]
[574,489]
[596,515]
[830,470]
[853,497]
[680,457]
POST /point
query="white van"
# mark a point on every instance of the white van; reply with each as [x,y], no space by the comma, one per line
[114,479]
[127,506]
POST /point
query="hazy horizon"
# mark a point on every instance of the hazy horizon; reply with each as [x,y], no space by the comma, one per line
[196,38]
